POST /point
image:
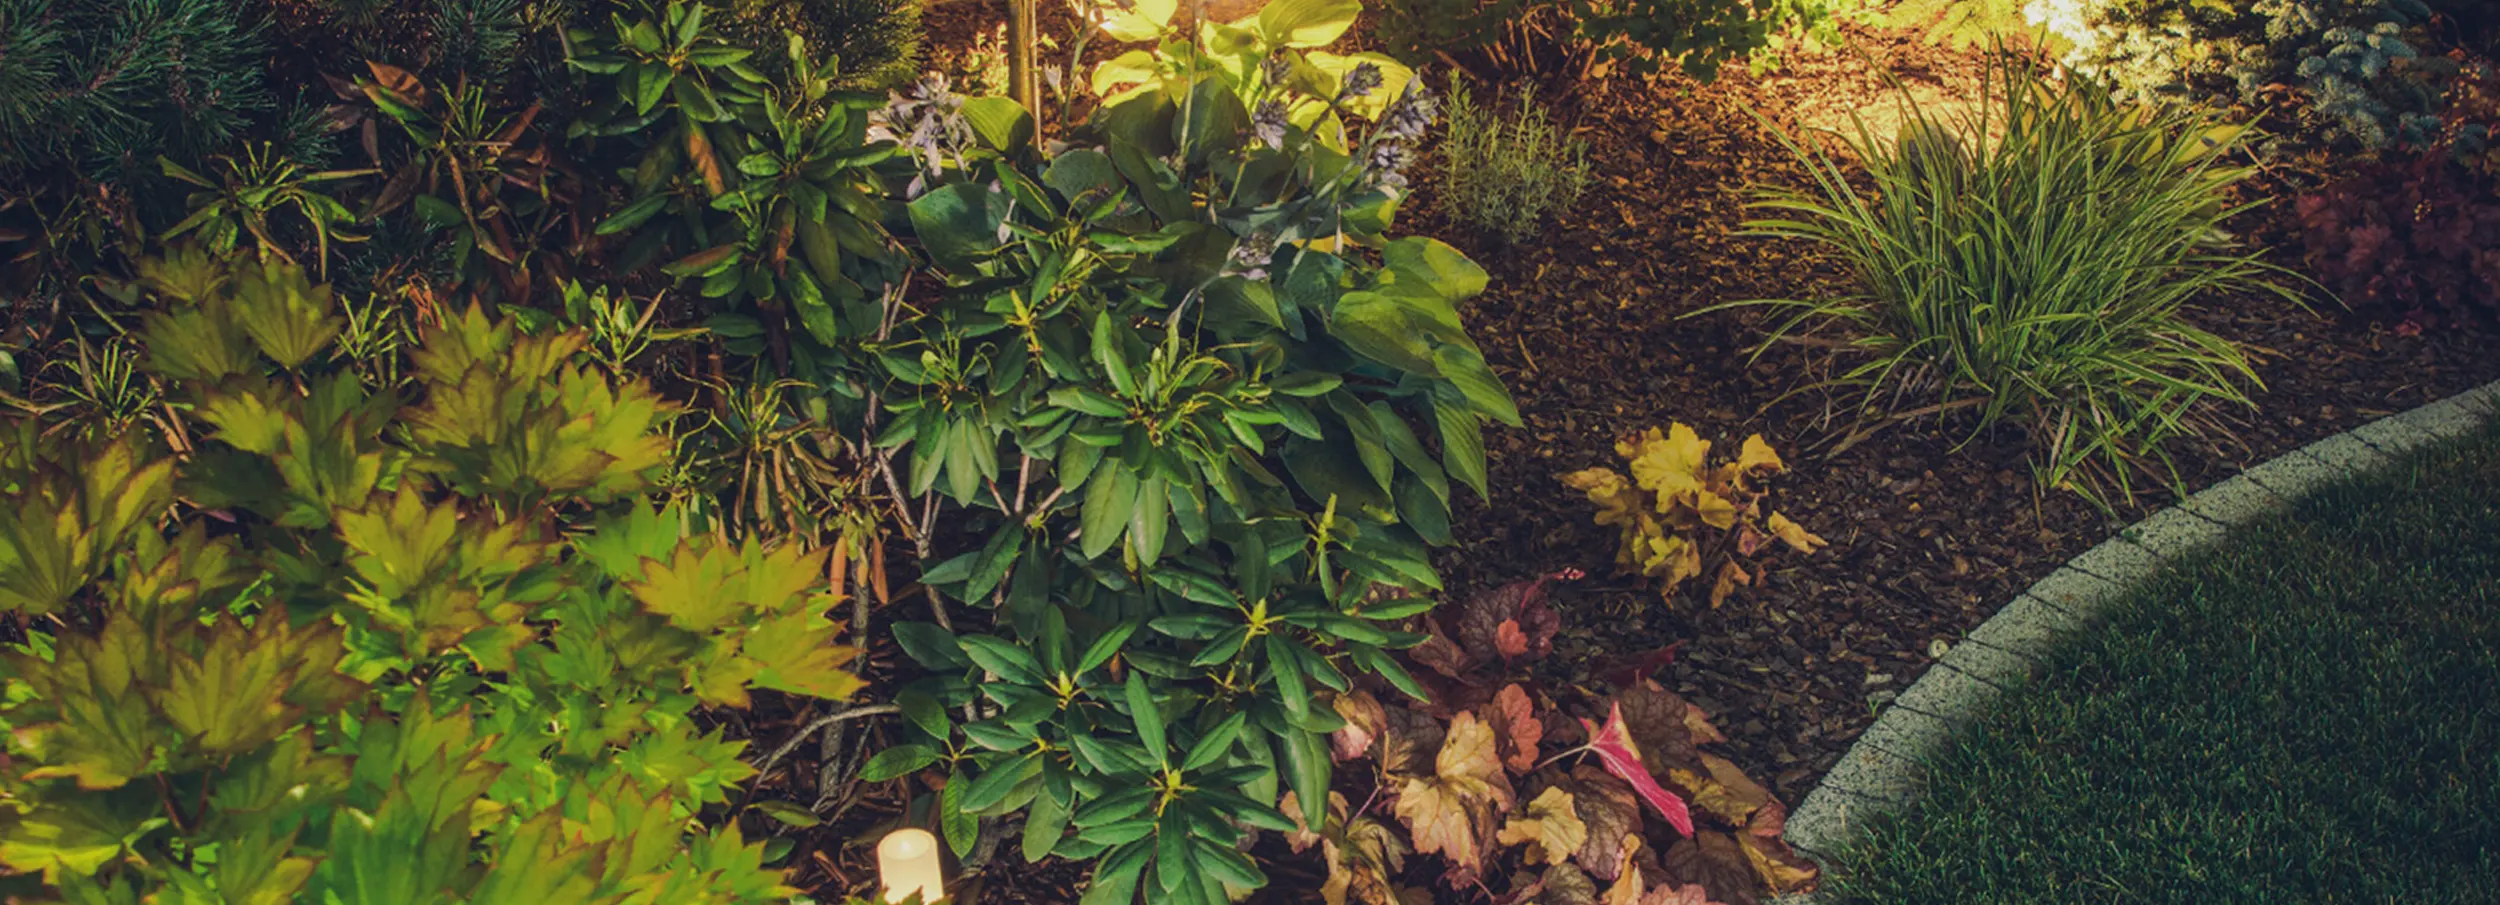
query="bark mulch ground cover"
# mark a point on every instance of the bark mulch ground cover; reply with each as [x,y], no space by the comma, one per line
[1931,529]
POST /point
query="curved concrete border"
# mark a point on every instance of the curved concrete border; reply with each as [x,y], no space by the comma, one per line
[1884,769]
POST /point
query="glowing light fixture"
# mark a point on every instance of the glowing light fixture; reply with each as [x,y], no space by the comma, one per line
[907,862]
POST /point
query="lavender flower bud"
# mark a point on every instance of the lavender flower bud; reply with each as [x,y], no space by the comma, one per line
[1412,114]
[1251,254]
[1275,70]
[1268,122]
[1359,81]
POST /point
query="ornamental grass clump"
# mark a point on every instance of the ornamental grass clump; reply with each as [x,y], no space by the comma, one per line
[2033,262]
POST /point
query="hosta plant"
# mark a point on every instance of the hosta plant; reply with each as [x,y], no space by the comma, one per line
[1682,517]
[1177,391]
[1505,786]
[2033,263]
[323,642]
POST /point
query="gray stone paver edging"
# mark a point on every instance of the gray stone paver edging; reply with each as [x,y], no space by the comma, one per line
[1885,768]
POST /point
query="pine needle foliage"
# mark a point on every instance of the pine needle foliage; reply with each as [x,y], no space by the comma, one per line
[107,85]
[2034,262]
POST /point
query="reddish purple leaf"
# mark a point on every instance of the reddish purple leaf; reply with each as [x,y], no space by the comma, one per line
[1613,745]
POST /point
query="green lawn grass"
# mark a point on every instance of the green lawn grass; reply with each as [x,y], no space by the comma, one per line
[2307,715]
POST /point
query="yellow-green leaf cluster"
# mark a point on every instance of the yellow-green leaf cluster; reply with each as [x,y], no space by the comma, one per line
[1678,512]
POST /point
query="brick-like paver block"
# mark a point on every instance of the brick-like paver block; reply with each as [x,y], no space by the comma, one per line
[1991,665]
[2347,454]
[2393,435]
[2171,533]
[2078,593]
[2236,501]
[1950,695]
[2455,416]
[2029,627]
[2293,475]
[1870,772]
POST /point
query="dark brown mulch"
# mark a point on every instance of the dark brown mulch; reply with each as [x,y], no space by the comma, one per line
[1929,533]
[1928,539]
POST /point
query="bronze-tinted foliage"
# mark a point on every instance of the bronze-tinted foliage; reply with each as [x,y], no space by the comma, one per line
[1636,814]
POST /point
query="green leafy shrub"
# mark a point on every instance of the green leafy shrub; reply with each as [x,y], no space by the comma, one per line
[758,191]
[1176,387]
[875,42]
[1963,24]
[1507,172]
[329,643]
[2032,263]
[1505,38]
[2362,74]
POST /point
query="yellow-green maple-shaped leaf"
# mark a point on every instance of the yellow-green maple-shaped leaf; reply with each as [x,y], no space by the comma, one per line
[677,760]
[286,775]
[641,829]
[284,313]
[245,420]
[60,531]
[92,721]
[687,588]
[177,577]
[619,427]
[231,696]
[74,835]
[1551,827]
[781,579]
[398,547]
[799,654]
[539,863]
[720,676]
[253,867]
[201,343]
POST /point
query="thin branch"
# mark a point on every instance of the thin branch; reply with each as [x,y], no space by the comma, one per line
[818,725]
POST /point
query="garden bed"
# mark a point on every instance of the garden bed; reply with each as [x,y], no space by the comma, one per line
[1588,327]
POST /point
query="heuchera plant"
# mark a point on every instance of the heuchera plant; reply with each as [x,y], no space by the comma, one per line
[1482,777]
[1679,515]
[312,641]
[2417,239]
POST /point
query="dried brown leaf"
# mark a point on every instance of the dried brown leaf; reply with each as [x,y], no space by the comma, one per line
[1516,730]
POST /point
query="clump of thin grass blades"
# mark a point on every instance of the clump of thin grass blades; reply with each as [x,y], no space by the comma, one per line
[2031,260]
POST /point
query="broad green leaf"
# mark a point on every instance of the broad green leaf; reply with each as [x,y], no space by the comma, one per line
[897,761]
[1109,496]
[999,122]
[1307,23]
[1141,707]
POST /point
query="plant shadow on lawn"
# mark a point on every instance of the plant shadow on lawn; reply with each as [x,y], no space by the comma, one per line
[2311,715]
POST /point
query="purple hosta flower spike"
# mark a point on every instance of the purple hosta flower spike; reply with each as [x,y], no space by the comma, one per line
[1412,114]
[1251,254]
[1275,69]
[1268,122]
[1359,81]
